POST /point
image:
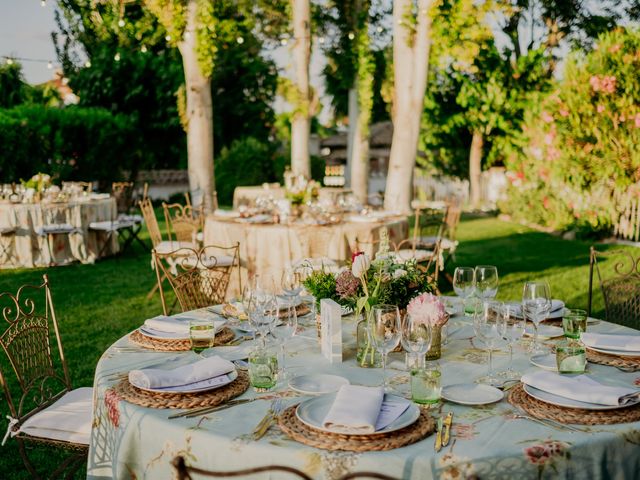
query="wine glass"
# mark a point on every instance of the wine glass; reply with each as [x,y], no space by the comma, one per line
[464,283]
[291,286]
[536,305]
[511,328]
[416,339]
[285,330]
[485,324]
[385,333]
[486,281]
[263,310]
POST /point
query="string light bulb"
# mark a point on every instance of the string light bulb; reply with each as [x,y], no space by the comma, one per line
[168,38]
[121,22]
[187,35]
[143,48]
[9,61]
[351,35]
[116,57]
[43,3]
[284,41]
[49,65]
[240,40]
[380,29]
[321,40]
[87,64]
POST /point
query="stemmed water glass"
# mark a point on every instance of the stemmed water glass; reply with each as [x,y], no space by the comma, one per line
[291,286]
[385,334]
[486,325]
[263,309]
[486,281]
[511,327]
[416,339]
[536,305]
[285,331]
[464,283]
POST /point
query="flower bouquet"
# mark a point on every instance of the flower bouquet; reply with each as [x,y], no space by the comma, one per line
[429,309]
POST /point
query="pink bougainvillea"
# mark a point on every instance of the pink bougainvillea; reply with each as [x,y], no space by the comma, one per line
[111,400]
[544,452]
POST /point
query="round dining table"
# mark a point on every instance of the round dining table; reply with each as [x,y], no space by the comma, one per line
[487,442]
[27,249]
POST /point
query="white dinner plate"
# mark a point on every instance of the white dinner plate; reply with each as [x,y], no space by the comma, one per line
[162,335]
[544,331]
[317,384]
[546,361]
[312,412]
[619,353]
[195,387]
[568,402]
[471,394]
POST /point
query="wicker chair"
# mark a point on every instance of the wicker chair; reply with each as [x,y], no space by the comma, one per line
[199,278]
[48,413]
[620,286]
[184,472]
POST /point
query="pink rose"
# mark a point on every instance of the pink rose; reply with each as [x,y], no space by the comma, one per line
[637,120]
[360,265]
[547,117]
[428,308]
[600,108]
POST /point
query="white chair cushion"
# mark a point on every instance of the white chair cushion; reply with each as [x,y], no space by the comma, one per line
[408,254]
[445,243]
[55,228]
[168,247]
[208,261]
[130,218]
[68,419]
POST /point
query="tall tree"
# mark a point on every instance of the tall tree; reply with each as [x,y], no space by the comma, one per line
[301,119]
[411,43]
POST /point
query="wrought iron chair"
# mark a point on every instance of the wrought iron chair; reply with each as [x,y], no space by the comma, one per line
[184,472]
[184,223]
[620,285]
[199,278]
[432,223]
[48,413]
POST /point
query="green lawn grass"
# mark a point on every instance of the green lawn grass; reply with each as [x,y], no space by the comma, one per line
[97,304]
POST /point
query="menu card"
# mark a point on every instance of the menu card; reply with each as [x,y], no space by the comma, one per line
[331,330]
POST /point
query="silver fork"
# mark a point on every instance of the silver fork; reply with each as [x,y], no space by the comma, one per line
[551,423]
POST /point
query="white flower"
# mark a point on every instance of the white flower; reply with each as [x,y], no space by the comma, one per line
[399,273]
[360,265]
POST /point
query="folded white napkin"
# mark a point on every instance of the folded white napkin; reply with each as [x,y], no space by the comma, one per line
[628,343]
[168,324]
[202,370]
[581,388]
[355,409]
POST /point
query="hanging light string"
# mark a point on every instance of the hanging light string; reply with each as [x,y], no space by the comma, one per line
[10,59]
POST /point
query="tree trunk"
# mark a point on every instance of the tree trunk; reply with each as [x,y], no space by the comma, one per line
[360,161]
[300,123]
[353,120]
[410,66]
[475,169]
[199,119]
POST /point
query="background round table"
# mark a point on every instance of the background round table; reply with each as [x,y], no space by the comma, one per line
[31,250]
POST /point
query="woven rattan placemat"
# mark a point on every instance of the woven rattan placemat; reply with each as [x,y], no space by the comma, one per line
[293,427]
[210,398]
[629,364]
[222,337]
[536,408]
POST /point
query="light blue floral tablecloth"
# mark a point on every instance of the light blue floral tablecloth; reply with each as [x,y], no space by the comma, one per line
[129,441]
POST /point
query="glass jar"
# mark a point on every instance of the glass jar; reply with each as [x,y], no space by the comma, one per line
[435,352]
[367,355]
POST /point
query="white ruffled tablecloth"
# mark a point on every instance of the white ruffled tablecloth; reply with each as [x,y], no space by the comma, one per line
[31,250]
[267,249]
[129,441]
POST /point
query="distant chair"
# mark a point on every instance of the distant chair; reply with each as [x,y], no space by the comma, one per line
[47,413]
[184,472]
[428,225]
[198,277]
[620,285]
[184,223]
[8,231]
[129,223]
[54,224]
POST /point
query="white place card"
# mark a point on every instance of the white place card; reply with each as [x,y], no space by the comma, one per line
[331,330]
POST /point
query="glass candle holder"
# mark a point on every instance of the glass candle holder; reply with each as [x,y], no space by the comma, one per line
[426,385]
[574,322]
[263,369]
[570,357]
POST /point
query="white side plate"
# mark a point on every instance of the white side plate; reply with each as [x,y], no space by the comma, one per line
[471,394]
[317,384]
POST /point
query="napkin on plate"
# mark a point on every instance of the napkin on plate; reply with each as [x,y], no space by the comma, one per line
[168,325]
[627,343]
[355,409]
[195,372]
[581,388]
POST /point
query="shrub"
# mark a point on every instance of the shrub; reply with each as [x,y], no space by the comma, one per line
[73,143]
[583,143]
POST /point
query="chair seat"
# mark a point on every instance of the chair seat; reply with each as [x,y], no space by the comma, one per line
[168,247]
[8,230]
[110,226]
[419,255]
[55,228]
[208,261]
[135,218]
[445,243]
[68,420]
